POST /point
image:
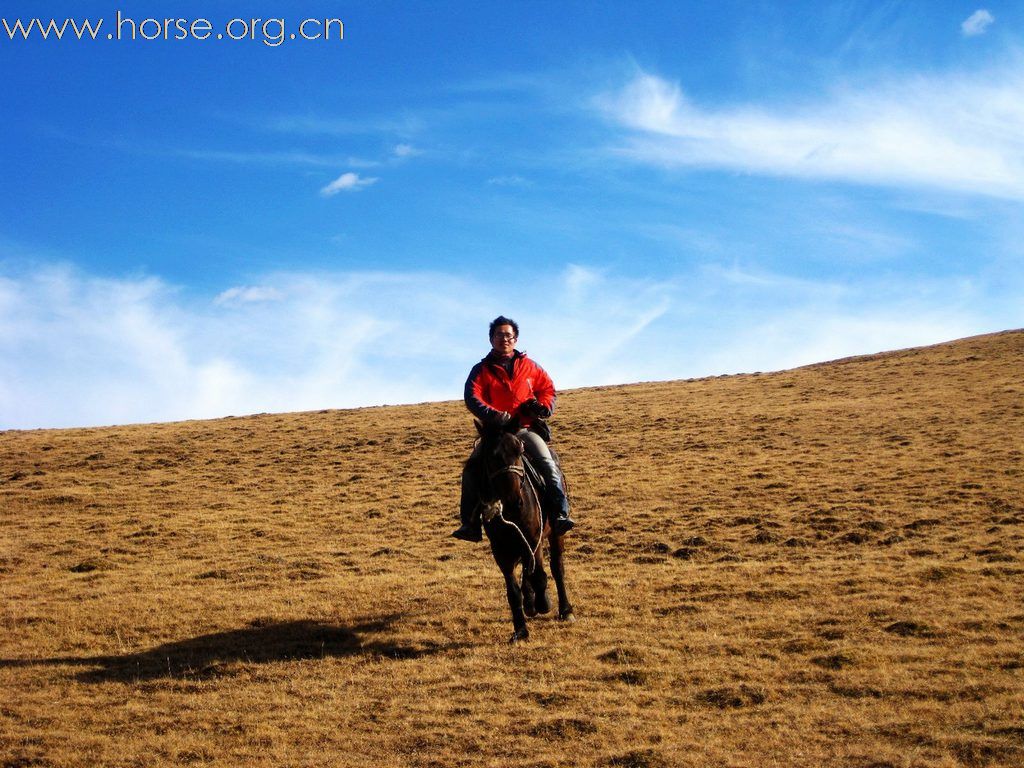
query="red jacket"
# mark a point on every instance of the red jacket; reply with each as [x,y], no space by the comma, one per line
[490,391]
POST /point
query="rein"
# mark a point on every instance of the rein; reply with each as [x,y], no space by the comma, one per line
[496,508]
[511,469]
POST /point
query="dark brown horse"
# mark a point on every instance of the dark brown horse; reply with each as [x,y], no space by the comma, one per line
[516,529]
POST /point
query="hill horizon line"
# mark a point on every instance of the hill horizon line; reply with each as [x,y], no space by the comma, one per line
[561,392]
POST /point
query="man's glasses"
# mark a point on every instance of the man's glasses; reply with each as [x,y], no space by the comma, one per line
[505,335]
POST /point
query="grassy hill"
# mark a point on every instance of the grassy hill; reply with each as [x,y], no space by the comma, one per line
[816,567]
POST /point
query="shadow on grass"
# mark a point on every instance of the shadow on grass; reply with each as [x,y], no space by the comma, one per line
[211,656]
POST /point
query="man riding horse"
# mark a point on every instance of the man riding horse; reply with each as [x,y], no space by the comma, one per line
[509,389]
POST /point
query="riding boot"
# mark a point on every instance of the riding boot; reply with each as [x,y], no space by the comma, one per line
[470,529]
[555,501]
[558,503]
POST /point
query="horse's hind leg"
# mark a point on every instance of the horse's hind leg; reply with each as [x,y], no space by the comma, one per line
[515,602]
[558,573]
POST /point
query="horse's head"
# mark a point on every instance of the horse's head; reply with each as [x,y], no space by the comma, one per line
[499,443]
[508,450]
[501,454]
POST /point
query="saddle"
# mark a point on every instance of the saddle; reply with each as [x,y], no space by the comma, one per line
[535,477]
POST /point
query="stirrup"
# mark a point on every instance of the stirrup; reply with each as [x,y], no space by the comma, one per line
[561,525]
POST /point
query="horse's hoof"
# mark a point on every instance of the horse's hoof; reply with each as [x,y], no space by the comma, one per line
[543,605]
[518,636]
[530,611]
[568,618]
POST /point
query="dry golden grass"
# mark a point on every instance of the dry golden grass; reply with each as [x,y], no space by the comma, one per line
[818,567]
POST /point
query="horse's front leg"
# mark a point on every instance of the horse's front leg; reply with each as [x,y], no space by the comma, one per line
[515,602]
[529,598]
[538,584]
[557,545]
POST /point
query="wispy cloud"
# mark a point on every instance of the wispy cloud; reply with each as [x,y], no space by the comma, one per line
[246,294]
[406,150]
[77,350]
[595,328]
[977,23]
[81,350]
[511,180]
[401,125]
[957,132]
[295,157]
[347,182]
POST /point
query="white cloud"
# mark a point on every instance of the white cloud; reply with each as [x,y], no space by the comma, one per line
[79,350]
[269,158]
[800,337]
[406,150]
[766,321]
[347,182]
[594,324]
[246,294]
[977,23]
[959,133]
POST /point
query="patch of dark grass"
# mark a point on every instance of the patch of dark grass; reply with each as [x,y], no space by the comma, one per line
[637,758]
[833,661]
[728,697]
[563,728]
[910,629]
[622,656]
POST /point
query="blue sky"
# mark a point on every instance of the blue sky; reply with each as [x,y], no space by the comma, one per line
[192,229]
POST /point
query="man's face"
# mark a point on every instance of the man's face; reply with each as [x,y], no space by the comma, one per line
[503,340]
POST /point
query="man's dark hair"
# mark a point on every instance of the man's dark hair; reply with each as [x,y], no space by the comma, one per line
[501,320]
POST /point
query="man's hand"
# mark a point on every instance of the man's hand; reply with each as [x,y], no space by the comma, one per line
[534,409]
[507,421]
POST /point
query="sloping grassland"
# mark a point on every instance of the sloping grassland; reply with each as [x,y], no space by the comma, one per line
[817,567]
